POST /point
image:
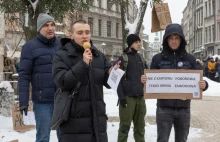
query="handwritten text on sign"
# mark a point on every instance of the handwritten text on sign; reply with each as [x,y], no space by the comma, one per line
[163,14]
[173,83]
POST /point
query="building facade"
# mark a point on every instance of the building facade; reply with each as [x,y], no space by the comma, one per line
[103,18]
[105,23]
[200,23]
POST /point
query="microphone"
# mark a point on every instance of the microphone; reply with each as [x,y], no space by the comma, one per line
[86,45]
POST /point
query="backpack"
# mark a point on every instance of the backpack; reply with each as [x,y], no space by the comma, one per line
[125,58]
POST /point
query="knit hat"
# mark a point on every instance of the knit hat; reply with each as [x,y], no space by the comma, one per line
[43,19]
[132,38]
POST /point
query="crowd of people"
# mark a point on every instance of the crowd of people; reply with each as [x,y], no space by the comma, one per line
[210,67]
[49,63]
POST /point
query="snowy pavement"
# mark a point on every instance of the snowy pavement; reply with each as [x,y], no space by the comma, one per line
[7,133]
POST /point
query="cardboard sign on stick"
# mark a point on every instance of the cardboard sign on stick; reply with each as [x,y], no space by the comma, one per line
[14,140]
[160,17]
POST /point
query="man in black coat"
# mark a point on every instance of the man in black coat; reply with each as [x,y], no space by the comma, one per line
[131,93]
[72,64]
[173,111]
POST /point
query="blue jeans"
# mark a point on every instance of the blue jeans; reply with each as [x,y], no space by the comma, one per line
[43,115]
[167,117]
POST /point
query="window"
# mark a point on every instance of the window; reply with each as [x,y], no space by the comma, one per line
[90,22]
[109,6]
[210,34]
[206,34]
[100,3]
[109,28]
[218,51]
[201,37]
[213,33]
[210,10]
[206,10]
[100,27]
[117,8]
[202,17]
[117,29]
[213,6]
[218,27]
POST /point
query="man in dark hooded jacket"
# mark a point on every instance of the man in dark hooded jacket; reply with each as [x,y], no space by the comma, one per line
[131,93]
[72,64]
[173,112]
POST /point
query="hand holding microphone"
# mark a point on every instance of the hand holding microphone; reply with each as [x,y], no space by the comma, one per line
[87,55]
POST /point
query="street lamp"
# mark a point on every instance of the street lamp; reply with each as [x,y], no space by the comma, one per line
[103,45]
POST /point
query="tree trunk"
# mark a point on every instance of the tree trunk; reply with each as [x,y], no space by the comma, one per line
[124,33]
[30,32]
[142,9]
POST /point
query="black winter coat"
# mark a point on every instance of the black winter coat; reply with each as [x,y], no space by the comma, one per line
[170,59]
[130,84]
[88,120]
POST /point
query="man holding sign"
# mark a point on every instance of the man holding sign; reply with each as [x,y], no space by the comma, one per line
[173,111]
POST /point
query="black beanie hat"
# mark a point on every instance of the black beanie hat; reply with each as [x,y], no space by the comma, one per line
[132,38]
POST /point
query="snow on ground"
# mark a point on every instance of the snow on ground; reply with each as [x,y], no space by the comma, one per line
[150,133]
[111,99]
[214,88]
[7,133]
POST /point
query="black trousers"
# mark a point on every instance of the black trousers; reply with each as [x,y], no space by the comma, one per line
[167,117]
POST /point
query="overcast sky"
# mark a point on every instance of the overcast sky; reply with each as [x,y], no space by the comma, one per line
[176,8]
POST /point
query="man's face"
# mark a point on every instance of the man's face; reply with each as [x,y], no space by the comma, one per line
[136,45]
[48,30]
[81,33]
[174,41]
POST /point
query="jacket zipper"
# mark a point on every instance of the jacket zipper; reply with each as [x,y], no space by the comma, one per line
[38,82]
[175,65]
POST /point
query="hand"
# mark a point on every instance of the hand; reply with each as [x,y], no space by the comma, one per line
[23,108]
[143,79]
[115,67]
[87,56]
[123,103]
[202,84]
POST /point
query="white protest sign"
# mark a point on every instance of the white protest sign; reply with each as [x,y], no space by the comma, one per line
[114,78]
[173,83]
[29,119]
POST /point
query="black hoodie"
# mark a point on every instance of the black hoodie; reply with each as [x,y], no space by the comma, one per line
[173,59]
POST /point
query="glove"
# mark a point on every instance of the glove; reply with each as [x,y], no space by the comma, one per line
[123,102]
[25,109]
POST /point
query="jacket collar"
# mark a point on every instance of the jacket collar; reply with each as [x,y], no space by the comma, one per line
[45,40]
[73,48]
[129,50]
